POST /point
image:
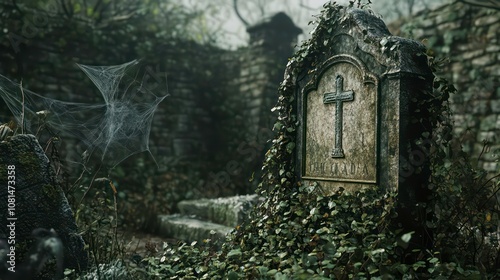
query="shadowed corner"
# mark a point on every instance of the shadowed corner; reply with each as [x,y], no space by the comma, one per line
[46,249]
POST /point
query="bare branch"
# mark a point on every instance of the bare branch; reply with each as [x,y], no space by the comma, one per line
[235,7]
[261,6]
[492,4]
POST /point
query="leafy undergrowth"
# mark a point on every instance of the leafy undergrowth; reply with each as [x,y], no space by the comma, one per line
[345,236]
[298,234]
[304,237]
[309,236]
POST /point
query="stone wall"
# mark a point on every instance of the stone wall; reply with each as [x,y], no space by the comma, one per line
[470,37]
[262,64]
[210,133]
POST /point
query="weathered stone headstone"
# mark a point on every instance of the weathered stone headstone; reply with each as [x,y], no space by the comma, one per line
[31,198]
[355,107]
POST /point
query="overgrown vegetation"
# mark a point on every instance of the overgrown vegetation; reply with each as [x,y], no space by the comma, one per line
[43,41]
[297,234]
[465,202]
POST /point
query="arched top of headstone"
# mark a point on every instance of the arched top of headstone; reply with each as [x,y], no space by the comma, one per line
[360,33]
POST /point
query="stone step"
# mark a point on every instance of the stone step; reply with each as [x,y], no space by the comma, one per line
[190,229]
[229,211]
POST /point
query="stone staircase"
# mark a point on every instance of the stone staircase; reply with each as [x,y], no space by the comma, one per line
[206,218]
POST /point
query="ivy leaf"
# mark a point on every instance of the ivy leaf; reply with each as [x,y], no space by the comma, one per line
[234,253]
[383,41]
[233,276]
[77,8]
[406,237]
[277,126]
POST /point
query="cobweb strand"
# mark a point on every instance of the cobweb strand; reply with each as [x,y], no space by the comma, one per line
[112,131]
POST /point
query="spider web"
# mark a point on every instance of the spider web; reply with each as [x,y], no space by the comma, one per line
[111,130]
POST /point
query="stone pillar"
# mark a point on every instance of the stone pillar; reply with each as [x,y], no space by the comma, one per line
[272,42]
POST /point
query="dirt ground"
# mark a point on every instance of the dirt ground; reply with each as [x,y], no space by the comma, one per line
[144,244]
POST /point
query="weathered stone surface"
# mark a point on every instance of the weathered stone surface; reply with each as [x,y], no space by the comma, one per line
[39,200]
[341,136]
[487,124]
[206,218]
[473,65]
[229,211]
[210,85]
[355,107]
[495,106]
[190,229]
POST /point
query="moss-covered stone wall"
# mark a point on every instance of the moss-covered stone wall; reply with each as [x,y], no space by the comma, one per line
[470,37]
[210,134]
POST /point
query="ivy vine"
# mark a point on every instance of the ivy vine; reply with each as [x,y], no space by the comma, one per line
[297,234]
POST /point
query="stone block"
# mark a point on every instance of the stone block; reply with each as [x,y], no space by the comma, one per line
[229,211]
[487,20]
[441,18]
[255,69]
[483,60]
[493,70]
[471,54]
[493,33]
[244,72]
[448,26]
[255,112]
[257,102]
[245,87]
[457,67]
[190,229]
[495,106]
[492,167]
[427,23]
[493,49]
[479,107]
[489,123]
[488,136]
[38,200]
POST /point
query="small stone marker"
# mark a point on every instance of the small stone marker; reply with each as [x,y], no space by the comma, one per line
[354,106]
[36,201]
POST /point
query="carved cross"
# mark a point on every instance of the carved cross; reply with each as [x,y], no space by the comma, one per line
[339,96]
